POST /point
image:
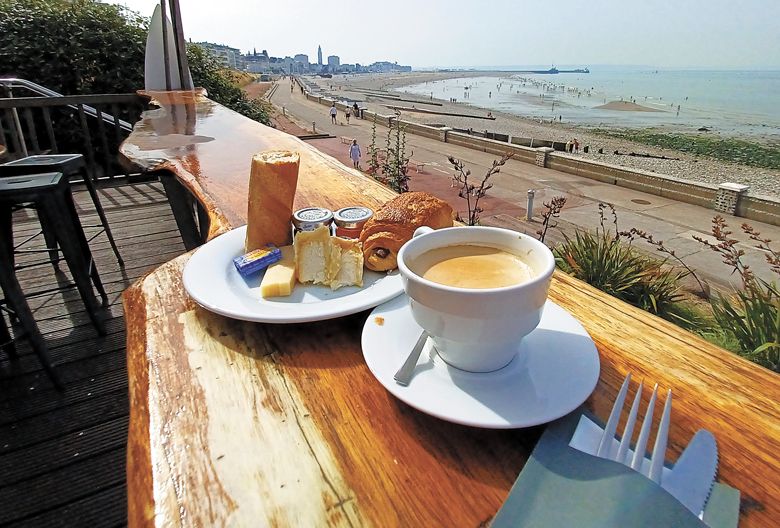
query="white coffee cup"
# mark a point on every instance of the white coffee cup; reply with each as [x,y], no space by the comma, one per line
[477,330]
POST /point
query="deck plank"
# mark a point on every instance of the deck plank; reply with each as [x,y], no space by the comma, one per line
[90,511]
[62,454]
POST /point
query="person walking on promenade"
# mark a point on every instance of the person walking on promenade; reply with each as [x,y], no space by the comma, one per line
[347,113]
[333,113]
[355,110]
[354,154]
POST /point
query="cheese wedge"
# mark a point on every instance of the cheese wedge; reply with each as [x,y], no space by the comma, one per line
[346,263]
[327,260]
[313,256]
[279,278]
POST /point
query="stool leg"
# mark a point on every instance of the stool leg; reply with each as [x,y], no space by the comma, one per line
[8,345]
[103,220]
[15,297]
[49,236]
[75,250]
[7,234]
[85,250]
[93,273]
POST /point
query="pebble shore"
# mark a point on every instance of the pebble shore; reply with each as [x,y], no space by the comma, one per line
[689,167]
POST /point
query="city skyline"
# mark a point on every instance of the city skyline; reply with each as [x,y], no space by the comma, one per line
[716,34]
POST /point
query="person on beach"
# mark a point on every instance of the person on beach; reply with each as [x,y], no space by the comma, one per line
[347,114]
[576,146]
[568,145]
[333,113]
[354,154]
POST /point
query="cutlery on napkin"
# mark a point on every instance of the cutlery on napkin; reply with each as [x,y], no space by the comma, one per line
[563,486]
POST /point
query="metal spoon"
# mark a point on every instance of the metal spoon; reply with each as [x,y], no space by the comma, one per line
[405,373]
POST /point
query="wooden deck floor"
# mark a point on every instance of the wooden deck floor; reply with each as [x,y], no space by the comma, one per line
[62,454]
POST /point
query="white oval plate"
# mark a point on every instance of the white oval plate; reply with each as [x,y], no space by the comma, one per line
[212,281]
[556,369]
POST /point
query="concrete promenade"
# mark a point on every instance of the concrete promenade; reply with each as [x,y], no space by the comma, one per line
[673,222]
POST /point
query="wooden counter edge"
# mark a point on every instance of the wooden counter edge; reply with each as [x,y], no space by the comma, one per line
[140,489]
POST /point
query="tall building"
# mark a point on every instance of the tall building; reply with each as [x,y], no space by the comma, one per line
[257,62]
[333,61]
[230,57]
[303,60]
[319,55]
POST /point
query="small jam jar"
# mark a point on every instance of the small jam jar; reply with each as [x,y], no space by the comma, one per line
[310,218]
[349,221]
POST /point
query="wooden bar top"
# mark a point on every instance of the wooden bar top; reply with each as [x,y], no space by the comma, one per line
[244,424]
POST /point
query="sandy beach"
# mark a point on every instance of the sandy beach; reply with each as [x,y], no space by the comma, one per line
[701,169]
[626,106]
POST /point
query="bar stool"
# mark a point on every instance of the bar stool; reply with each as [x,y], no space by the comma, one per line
[6,341]
[50,193]
[16,304]
[69,165]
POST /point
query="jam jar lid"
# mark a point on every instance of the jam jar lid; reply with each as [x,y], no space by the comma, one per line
[352,217]
[311,218]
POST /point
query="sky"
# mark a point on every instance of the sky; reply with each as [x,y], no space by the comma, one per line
[713,34]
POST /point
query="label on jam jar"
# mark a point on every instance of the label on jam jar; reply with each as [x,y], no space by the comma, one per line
[350,220]
[311,218]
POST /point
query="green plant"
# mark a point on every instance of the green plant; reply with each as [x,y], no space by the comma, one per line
[605,261]
[395,166]
[373,152]
[89,47]
[470,192]
[73,46]
[552,209]
[659,246]
[751,315]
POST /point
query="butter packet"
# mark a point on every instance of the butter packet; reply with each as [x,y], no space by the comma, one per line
[257,260]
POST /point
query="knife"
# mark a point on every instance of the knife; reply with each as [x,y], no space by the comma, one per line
[692,477]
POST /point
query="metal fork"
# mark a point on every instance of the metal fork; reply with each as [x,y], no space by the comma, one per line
[606,447]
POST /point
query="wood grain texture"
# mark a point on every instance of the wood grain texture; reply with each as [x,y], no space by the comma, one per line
[236,423]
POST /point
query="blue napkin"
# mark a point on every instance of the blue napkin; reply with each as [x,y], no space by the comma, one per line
[562,486]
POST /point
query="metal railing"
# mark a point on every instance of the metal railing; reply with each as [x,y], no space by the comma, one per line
[9,83]
[55,123]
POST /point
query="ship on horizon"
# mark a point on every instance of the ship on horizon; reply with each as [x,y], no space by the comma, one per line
[554,70]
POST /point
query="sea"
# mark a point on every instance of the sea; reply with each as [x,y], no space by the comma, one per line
[731,103]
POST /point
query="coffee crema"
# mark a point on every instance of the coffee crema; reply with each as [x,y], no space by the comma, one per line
[471,266]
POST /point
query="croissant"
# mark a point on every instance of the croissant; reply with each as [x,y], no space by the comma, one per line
[394,224]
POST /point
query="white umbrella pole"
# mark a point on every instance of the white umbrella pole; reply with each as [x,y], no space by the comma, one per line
[181,49]
[166,51]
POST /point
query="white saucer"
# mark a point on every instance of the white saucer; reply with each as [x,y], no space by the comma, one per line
[556,369]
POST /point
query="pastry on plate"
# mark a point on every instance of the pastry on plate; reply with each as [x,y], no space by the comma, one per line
[394,224]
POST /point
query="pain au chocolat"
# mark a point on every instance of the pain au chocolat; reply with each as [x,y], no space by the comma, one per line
[394,224]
